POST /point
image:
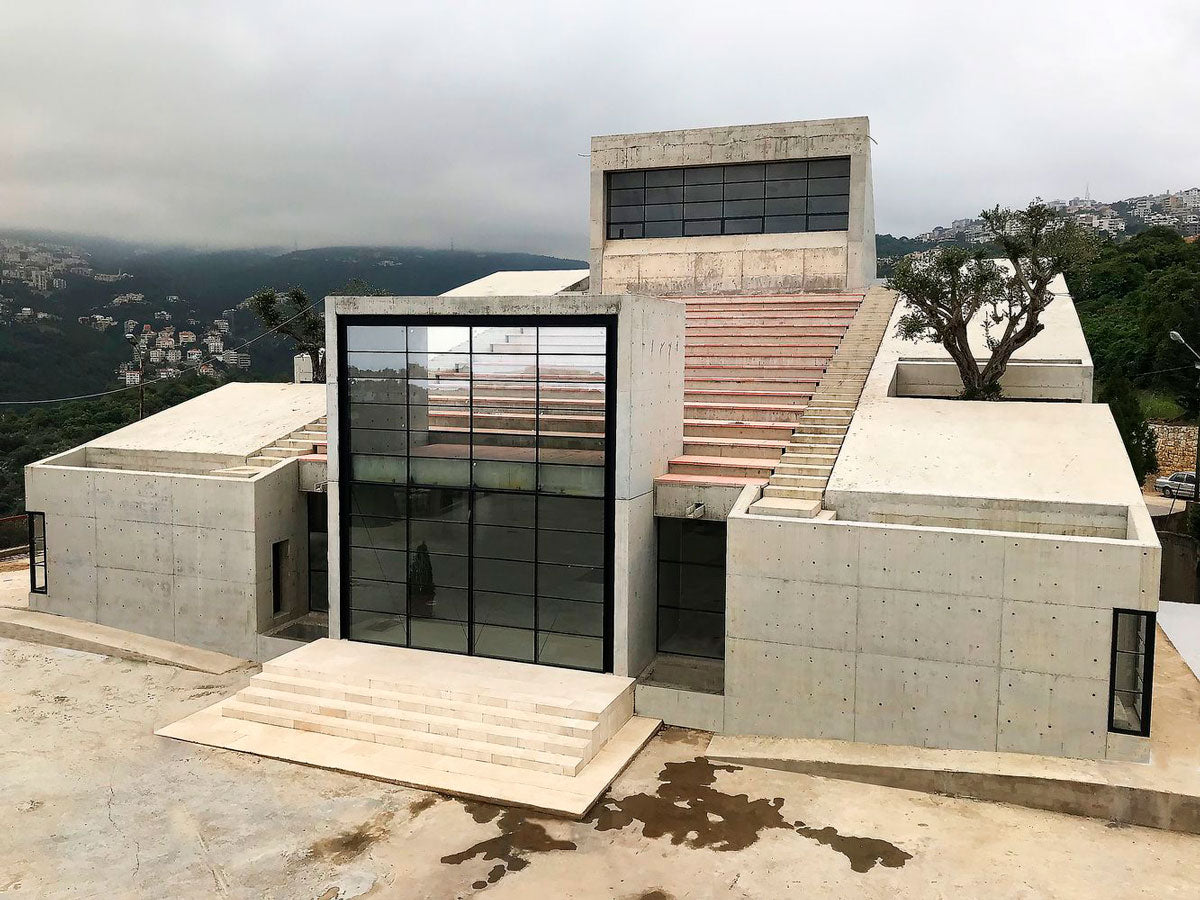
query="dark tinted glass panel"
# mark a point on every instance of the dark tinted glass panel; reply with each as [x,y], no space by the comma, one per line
[627,198]
[783,224]
[663,229]
[664,213]
[737,208]
[702,210]
[664,195]
[745,172]
[787,189]
[790,206]
[504,643]
[439,503]
[512,610]
[708,175]
[749,190]
[821,187]
[500,542]
[619,180]
[823,168]
[743,226]
[570,616]
[504,509]
[664,177]
[787,170]
[378,628]
[508,476]
[450,472]
[374,531]
[385,443]
[378,564]
[378,596]
[434,634]
[571,582]
[504,575]
[571,514]
[570,650]
[622,214]
[739,186]
[439,537]
[837,204]
[828,223]
[378,500]
[695,193]
[574,548]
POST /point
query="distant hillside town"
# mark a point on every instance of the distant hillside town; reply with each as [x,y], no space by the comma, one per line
[1178,210]
[159,350]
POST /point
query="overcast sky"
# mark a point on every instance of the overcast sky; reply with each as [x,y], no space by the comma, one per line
[258,123]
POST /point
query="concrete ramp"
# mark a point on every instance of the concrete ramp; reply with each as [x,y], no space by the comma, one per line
[91,637]
[522,735]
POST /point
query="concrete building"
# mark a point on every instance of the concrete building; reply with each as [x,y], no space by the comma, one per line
[189,525]
[706,463]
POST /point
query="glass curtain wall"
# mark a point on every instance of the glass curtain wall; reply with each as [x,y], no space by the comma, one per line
[476,514]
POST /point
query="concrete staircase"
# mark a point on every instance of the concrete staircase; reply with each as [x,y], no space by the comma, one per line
[751,367]
[305,442]
[796,486]
[532,735]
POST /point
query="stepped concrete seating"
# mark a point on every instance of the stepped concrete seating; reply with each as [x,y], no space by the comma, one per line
[796,485]
[555,738]
[752,364]
[307,443]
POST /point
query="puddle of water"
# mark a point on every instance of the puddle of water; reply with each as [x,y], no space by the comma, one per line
[518,838]
[689,811]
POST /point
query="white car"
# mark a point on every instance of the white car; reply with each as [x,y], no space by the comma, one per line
[1180,484]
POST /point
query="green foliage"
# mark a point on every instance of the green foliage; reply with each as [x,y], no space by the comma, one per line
[48,358]
[1129,300]
[296,317]
[946,289]
[28,434]
[1140,442]
[1159,407]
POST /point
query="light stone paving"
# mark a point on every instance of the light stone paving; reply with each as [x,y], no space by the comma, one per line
[544,738]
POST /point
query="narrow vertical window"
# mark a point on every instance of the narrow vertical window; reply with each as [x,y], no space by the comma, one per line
[318,553]
[279,554]
[37,552]
[1131,677]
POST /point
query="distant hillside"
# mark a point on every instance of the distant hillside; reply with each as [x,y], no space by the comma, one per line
[61,358]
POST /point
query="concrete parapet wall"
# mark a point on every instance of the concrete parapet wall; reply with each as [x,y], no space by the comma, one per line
[1025,379]
[930,637]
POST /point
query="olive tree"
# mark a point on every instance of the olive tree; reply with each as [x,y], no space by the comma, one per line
[945,289]
[294,315]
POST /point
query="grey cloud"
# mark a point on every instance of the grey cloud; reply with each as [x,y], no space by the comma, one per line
[227,124]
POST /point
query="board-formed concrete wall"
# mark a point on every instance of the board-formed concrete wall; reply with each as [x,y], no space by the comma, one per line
[649,431]
[930,637]
[741,264]
[181,557]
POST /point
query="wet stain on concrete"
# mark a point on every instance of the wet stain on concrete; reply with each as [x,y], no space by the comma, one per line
[519,837]
[689,811]
[419,806]
[670,734]
[655,895]
[347,845]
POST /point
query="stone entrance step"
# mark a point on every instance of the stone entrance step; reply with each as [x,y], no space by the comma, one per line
[551,739]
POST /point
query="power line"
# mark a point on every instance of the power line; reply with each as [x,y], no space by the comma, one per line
[130,387]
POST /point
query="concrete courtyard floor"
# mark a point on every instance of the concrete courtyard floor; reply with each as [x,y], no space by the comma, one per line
[92,804]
